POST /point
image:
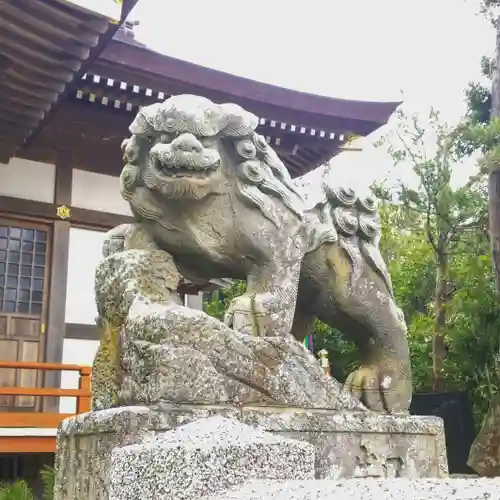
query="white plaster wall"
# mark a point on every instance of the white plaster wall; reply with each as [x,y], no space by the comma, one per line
[85,253]
[75,352]
[29,180]
[98,192]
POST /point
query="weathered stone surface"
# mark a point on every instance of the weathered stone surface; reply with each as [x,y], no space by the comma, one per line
[115,294]
[204,457]
[181,355]
[346,444]
[484,455]
[213,194]
[166,352]
[368,489]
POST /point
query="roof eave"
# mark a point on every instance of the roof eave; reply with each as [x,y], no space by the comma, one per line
[127,6]
[362,117]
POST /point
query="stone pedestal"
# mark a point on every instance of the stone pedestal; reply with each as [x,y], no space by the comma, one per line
[347,444]
[204,457]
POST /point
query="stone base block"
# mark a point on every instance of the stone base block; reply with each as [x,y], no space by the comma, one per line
[368,489]
[346,444]
[205,457]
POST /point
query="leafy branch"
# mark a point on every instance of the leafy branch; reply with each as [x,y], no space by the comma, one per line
[442,212]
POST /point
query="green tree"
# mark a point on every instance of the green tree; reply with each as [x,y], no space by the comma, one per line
[475,323]
[409,258]
[410,261]
[472,311]
[481,130]
[437,212]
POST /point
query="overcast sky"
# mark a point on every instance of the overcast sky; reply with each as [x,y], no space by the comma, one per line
[361,49]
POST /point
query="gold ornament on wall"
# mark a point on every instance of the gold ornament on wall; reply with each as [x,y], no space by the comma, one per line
[63,212]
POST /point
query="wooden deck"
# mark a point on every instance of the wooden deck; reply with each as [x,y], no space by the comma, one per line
[35,432]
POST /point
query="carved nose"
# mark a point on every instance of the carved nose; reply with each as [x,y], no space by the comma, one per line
[187,142]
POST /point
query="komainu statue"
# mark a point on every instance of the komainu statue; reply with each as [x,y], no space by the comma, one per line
[211,199]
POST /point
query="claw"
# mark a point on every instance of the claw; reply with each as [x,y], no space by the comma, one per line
[377,390]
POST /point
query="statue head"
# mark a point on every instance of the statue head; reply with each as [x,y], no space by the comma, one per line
[188,147]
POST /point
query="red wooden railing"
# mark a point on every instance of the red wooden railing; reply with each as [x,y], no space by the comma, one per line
[42,419]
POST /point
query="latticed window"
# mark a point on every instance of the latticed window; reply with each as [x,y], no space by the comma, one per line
[22,269]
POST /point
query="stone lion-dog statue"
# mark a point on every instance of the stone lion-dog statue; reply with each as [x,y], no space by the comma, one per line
[208,190]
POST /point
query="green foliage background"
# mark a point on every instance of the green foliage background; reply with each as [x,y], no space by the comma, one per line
[20,490]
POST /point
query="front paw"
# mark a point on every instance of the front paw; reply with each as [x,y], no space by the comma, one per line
[260,314]
[384,386]
[240,315]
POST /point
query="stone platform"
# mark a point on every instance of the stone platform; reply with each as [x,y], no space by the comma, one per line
[367,489]
[346,444]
